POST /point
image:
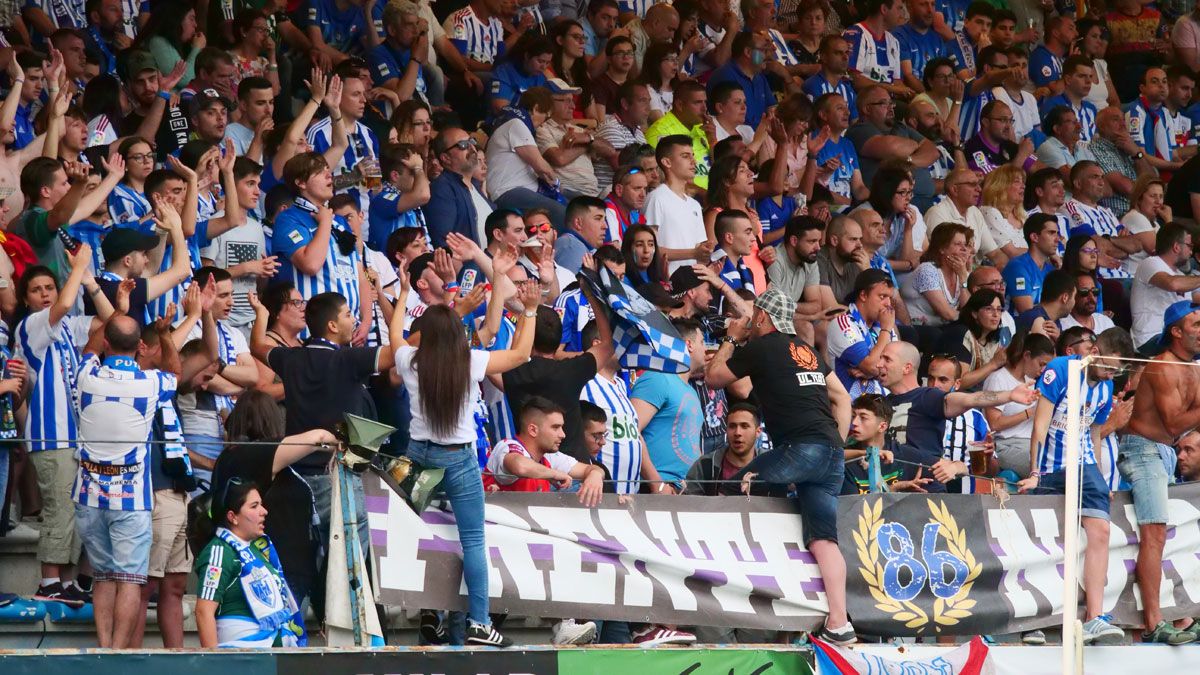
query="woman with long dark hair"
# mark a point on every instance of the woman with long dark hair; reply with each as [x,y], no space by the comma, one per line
[643,262]
[660,68]
[127,203]
[260,454]
[105,105]
[1081,255]
[171,36]
[567,62]
[975,338]
[524,67]
[414,125]
[731,186]
[1012,423]
[441,375]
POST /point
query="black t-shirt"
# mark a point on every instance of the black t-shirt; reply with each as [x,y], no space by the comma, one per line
[789,382]
[920,419]
[1183,184]
[561,382]
[858,479]
[137,299]
[288,501]
[322,384]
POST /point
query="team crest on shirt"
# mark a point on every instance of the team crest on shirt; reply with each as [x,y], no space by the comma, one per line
[803,356]
[383,70]
[1046,71]
[1048,377]
[296,237]
[1020,284]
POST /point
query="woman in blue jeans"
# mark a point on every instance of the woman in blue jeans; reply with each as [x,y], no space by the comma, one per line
[442,375]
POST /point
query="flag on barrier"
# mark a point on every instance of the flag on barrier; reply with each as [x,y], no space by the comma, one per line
[969,659]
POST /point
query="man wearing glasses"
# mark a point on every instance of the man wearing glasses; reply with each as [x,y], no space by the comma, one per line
[1083,313]
[1047,451]
[452,207]
[963,188]
[878,138]
[995,145]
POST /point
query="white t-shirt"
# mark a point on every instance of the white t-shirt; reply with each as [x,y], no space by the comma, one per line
[506,170]
[483,209]
[1149,302]
[495,463]
[1002,380]
[1136,223]
[742,130]
[945,212]
[1002,231]
[1025,113]
[1101,321]
[241,244]
[464,431]
[679,220]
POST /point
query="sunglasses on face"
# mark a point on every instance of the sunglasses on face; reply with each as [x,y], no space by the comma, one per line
[465,143]
[534,229]
[1088,291]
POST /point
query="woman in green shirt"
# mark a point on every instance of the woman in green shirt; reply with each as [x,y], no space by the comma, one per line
[243,600]
[171,36]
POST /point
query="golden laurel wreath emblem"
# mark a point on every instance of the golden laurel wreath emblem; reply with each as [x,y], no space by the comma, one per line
[946,612]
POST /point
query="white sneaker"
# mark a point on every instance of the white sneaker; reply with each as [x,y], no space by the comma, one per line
[568,632]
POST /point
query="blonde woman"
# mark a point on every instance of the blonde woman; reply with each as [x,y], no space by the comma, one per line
[1148,212]
[1002,208]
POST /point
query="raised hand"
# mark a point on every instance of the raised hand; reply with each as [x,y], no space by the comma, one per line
[463,248]
[317,85]
[225,161]
[192,305]
[402,273]
[208,295]
[124,290]
[333,97]
[162,325]
[166,216]
[82,257]
[182,170]
[170,80]
[77,172]
[530,295]
[114,163]
[815,143]
[443,266]
[504,261]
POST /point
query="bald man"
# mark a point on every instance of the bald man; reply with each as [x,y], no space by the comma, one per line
[659,26]
[921,412]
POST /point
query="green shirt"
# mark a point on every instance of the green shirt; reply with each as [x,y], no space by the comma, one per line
[33,225]
[669,125]
[219,574]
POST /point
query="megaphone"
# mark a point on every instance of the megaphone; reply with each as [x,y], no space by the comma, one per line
[413,482]
[363,437]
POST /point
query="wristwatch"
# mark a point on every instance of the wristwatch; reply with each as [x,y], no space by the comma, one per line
[1139,156]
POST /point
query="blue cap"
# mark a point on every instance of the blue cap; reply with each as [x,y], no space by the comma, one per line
[1174,314]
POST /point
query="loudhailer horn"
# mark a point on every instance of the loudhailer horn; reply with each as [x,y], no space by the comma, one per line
[413,482]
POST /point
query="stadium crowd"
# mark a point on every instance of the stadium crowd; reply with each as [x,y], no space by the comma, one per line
[873,224]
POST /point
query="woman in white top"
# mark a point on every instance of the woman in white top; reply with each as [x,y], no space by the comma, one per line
[442,376]
[512,152]
[943,90]
[1147,215]
[1093,43]
[1012,423]
[1003,208]
[660,79]
[938,287]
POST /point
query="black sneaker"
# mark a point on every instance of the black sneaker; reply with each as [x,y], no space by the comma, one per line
[72,591]
[433,628]
[478,634]
[55,592]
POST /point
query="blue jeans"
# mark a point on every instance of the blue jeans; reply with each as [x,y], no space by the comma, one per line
[817,470]
[463,485]
[522,199]
[1143,463]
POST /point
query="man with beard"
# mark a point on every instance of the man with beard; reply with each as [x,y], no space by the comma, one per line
[995,145]
[156,112]
[925,118]
[451,207]
[878,138]
[843,257]
[795,272]
[1083,312]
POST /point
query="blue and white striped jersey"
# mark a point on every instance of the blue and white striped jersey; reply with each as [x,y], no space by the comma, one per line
[128,207]
[1110,448]
[231,343]
[500,417]
[1085,113]
[971,111]
[294,228]
[52,355]
[363,145]
[116,402]
[1153,129]
[969,427]
[158,307]
[622,452]
[639,7]
[575,313]
[1097,403]
[1098,220]
[783,53]
[817,86]
[876,57]
[64,13]
[474,39]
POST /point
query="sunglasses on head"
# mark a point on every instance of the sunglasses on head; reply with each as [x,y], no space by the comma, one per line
[224,503]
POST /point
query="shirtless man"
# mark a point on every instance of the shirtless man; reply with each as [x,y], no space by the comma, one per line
[1166,407]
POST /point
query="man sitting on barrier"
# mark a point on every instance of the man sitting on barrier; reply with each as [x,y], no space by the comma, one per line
[1047,449]
[1166,407]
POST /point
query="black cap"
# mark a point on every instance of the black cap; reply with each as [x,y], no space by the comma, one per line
[122,241]
[658,296]
[684,279]
[205,98]
[866,279]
